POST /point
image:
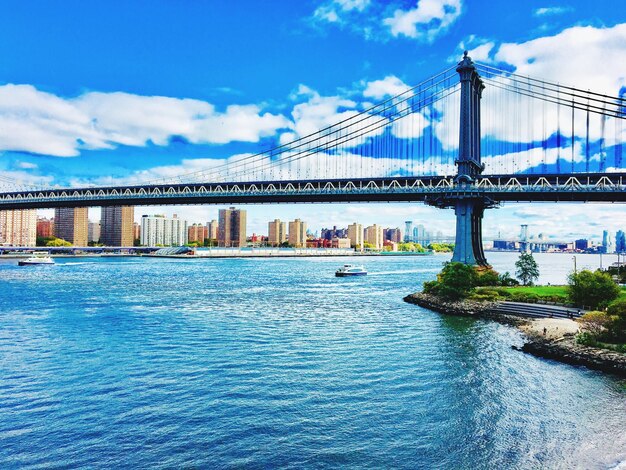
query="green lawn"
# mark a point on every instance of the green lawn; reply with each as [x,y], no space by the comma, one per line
[542,291]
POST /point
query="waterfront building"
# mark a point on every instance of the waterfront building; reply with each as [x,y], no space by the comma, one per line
[18,227]
[420,235]
[330,233]
[161,230]
[607,242]
[45,227]
[232,227]
[116,225]
[408,231]
[355,234]
[196,233]
[212,230]
[93,232]
[71,224]
[620,242]
[393,234]
[340,243]
[277,233]
[582,244]
[374,236]
[136,231]
[297,233]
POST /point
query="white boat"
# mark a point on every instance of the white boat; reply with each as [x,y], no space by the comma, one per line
[35,260]
[350,270]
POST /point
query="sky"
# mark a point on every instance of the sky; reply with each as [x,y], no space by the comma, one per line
[117,91]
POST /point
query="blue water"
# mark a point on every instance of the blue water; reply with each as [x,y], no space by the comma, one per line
[274,363]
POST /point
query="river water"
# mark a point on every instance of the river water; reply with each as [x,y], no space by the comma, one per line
[275,363]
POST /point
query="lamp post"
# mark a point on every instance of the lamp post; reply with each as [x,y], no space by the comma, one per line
[574,257]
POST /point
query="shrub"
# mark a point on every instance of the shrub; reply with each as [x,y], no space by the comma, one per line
[488,277]
[617,314]
[594,323]
[592,289]
[507,281]
[455,281]
[430,287]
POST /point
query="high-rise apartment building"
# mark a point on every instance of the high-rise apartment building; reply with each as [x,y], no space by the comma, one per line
[116,225]
[45,227]
[93,232]
[620,242]
[393,234]
[161,230]
[408,231]
[232,227]
[196,233]
[212,230]
[297,233]
[71,224]
[18,227]
[374,236]
[136,231]
[355,234]
[277,231]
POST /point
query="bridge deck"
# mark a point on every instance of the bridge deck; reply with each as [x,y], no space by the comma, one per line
[607,187]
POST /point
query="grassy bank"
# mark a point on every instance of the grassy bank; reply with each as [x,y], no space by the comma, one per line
[532,294]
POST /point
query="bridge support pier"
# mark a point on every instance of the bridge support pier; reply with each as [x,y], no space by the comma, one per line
[468,248]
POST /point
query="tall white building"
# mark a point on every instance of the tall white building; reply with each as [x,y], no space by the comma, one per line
[277,233]
[374,235]
[355,234]
[93,232]
[18,227]
[161,230]
[297,233]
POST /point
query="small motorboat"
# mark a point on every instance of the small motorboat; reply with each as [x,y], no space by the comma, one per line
[36,260]
[350,270]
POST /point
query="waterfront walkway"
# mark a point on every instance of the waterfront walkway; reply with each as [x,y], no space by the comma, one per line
[536,310]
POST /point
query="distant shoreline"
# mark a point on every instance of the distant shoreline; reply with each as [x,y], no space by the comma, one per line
[234,254]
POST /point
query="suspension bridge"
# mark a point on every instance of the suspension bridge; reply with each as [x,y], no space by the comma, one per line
[469,138]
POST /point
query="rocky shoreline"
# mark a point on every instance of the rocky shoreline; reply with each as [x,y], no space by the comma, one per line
[564,349]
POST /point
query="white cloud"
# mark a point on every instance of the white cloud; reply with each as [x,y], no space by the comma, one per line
[333,11]
[388,86]
[586,57]
[28,165]
[548,11]
[428,20]
[43,123]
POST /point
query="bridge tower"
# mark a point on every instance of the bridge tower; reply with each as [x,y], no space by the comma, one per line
[468,206]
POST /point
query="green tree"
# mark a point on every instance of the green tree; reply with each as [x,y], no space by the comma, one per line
[57,242]
[526,269]
[442,247]
[591,289]
[456,281]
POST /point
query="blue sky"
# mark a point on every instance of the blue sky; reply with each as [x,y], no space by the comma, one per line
[92,92]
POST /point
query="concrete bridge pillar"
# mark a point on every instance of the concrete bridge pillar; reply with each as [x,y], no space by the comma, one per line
[468,248]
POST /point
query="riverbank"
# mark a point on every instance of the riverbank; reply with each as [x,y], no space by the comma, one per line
[558,343]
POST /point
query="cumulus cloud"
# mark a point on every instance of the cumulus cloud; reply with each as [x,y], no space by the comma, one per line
[43,123]
[388,86]
[428,20]
[425,22]
[587,57]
